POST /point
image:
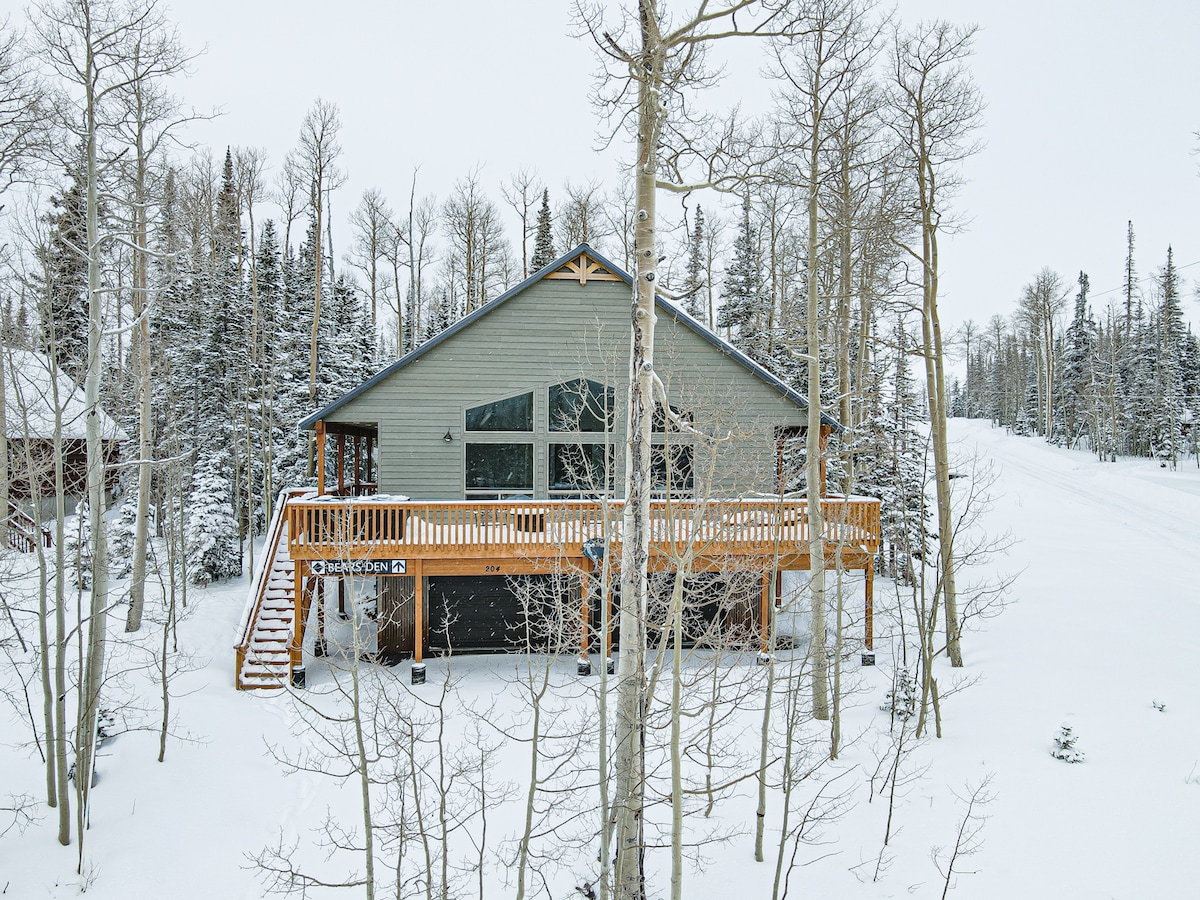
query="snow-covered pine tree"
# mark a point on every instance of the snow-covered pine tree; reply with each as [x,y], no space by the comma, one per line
[1027,416]
[77,545]
[891,458]
[211,531]
[63,295]
[1140,383]
[1167,440]
[743,307]
[543,242]
[1065,745]
[694,280]
[291,367]
[120,539]
[1075,379]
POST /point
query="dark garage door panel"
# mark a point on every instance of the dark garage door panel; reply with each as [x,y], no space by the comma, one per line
[476,612]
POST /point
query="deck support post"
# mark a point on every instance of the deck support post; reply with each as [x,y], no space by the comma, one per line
[320,428]
[341,464]
[418,613]
[297,648]
[823,434]
[868,657]
[585,665]
[764,612]
[608,660]
[319,597]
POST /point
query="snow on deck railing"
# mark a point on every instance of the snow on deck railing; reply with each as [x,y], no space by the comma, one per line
[365,526]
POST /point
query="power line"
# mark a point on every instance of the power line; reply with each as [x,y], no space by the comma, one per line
[1140,280]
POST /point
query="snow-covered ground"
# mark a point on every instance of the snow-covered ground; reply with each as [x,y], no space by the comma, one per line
[1097,633]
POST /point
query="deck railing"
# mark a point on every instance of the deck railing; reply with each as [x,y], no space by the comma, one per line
[329,527]
[23,532]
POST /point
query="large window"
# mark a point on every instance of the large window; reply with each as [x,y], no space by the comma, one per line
[511,414]
[581,405]
[499,470]
[580,470]
[671,470]
[500,464]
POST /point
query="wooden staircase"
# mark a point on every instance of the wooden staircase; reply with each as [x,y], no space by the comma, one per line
[23,533]
[265,656]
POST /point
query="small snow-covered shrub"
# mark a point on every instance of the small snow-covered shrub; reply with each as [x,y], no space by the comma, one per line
[1064,746]
[120,540]
[77,546]
[901,700]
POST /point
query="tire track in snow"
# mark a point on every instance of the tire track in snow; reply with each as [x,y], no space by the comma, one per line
[1177,529]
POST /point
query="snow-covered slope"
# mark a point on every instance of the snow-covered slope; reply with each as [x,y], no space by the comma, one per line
[1097,633]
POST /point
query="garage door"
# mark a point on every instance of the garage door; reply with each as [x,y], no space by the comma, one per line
[488,612]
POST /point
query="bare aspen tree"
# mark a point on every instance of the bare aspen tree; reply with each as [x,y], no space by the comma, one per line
[935,106]
[422,225]
[154,55]
[249,165]
[88,43]
[1042,302]
[817,67]
[316,155]
[289,193]
[372,221]
[476,261]
[579,218]
[522,193]
[54,648]
[21,132]
[654,63]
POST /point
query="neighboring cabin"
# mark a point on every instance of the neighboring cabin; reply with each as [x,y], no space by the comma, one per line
[37,406]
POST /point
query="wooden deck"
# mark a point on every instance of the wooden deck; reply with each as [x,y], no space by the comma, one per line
[316,537]
[455,536]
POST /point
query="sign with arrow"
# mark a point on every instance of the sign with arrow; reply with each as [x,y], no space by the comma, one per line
[359,566]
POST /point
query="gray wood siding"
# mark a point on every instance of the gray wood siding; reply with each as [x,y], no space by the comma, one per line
[552,332]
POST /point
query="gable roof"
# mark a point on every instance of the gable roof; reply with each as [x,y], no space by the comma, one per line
[29,400]
[573,265]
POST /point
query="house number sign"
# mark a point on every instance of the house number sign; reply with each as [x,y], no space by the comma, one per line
[359,566]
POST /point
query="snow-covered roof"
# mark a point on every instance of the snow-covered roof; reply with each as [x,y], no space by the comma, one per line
[29,400]
[662,305]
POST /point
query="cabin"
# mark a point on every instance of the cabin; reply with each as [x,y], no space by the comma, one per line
[485,468]
[41,402]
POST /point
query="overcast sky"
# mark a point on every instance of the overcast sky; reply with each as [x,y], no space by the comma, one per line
[1090,119]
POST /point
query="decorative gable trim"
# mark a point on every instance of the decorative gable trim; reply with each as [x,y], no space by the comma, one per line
[583,267]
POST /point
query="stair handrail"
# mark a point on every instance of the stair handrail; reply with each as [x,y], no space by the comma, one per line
[258,588]
[23,527]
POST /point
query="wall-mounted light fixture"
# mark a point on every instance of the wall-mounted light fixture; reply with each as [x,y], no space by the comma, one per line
[448,437]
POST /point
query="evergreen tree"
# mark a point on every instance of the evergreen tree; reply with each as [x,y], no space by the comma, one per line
[1129,281]
[1169,402]
[63,311]
[890,458]
[1139,386]
[694,282]
[1075,379]
[1028,415]
[743,310]
[211,531]
[543,242]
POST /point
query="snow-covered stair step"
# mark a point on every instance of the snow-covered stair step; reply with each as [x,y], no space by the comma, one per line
[267,659]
